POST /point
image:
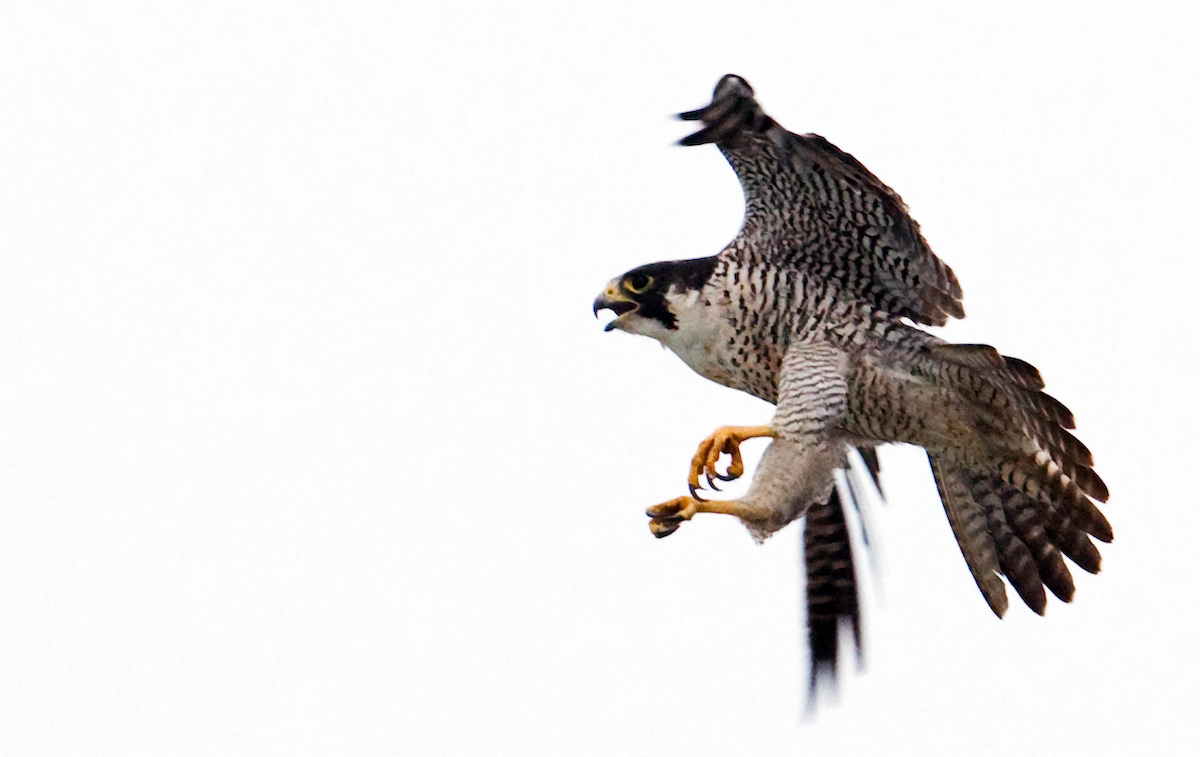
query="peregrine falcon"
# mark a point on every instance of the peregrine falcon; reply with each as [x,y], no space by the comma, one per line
[815,307]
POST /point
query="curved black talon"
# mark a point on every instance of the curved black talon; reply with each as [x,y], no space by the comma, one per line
[712,484]
[696,494]
[664,527]
[726,477]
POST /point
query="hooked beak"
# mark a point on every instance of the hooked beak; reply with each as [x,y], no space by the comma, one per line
[612,299]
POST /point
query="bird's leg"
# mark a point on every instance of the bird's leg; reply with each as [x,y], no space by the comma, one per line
[668,516]
[725,440]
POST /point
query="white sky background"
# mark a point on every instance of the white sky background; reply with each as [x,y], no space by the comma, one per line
[311,444]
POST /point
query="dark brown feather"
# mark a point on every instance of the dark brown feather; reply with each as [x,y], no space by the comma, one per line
[831,588]
[812,205]
[1016,561]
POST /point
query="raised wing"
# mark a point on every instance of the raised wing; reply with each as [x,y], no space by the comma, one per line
[812,206]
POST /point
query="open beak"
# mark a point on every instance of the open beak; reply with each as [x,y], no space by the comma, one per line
[612,299]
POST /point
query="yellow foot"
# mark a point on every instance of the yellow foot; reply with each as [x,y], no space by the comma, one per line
[666,518]
[725,440]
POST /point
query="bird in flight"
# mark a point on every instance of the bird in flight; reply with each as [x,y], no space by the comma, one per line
[816,307]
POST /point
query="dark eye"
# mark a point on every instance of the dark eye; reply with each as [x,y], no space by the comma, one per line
[638,283]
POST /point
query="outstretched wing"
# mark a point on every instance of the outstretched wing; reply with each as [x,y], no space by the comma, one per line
[831,595]
[830,589]
[812,206]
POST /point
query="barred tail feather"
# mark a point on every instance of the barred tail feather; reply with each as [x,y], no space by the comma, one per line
[1016,527]
[1025,518]
[1020,495]
[969,522]
[1067,536]
[1008,402]
[1016,561]
[1026,430]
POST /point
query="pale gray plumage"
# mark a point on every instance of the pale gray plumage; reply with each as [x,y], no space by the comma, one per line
[809,308]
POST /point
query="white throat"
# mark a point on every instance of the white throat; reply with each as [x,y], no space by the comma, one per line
[700,335]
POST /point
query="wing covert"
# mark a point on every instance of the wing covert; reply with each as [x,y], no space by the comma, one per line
[812,206]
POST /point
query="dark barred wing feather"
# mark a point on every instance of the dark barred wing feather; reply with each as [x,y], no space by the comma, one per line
[831,593]
[810,205]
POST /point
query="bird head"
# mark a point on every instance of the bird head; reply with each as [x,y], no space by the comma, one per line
[647,300]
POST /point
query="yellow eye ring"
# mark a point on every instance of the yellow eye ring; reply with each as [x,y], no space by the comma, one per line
[639,283]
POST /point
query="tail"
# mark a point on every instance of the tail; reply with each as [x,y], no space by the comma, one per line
[831,585]
[1019,496]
